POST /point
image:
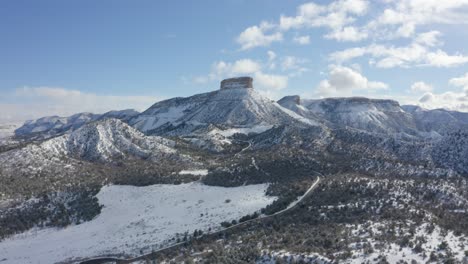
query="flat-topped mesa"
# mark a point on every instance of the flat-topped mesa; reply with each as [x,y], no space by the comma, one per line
[233,83]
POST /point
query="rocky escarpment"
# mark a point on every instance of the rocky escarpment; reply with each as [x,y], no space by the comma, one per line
[233,83]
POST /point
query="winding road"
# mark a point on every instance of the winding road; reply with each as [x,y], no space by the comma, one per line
[261,218]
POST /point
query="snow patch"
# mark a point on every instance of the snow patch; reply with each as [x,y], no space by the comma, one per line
[297,116]
[194,172]
[243,130]
[147,123]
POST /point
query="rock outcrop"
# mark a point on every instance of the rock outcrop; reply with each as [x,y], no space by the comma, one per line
[233,83]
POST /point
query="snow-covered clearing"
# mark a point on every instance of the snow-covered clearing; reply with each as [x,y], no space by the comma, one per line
[194,172]
[135,217]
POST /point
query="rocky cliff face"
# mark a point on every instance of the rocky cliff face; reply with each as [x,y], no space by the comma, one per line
[241,82]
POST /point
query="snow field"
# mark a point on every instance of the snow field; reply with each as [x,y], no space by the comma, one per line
[136,217]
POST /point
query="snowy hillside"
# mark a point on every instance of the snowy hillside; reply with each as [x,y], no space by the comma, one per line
[231,108]
[103,141]
[109,139]
[438,120]
[51,126]
[378,116]
[137,217]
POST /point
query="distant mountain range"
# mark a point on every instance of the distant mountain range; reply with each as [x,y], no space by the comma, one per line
[368,135]
[50,126]
[241,107]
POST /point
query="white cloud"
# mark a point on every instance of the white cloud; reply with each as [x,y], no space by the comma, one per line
[440,58]
[447,100]
[422,12]
[405,30]
[271,55]
[222,69]
[344,21]
[461,81]
[452,100]
[270,81]
[347,54]
[343,81]
[34,102]
[347,34]
[400,18]
[245,66]
[336,16]
[291,62]
[302,40]
[421,87]
[256,36]
[430,38]
[412,55]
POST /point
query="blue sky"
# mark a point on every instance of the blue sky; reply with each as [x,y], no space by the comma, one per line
[62,57]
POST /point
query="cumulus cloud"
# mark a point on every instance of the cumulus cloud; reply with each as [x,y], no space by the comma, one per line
[34,102]
[222,69]
[447,100]
[291,62]
[271,55]
[452,100]
[245,66]
[271,81]
[421,87]
[440,58]
[258,36]
[461,81]
[421,12]
[345,21]
[334,16]
[344,81]
[414,54]
[430,38]
[401,18]
[302,40]
[347,34]
[337,17]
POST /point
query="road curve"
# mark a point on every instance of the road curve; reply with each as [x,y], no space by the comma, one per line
[262,218]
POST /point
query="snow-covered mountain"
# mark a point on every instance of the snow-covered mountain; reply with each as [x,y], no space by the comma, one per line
[123,115]
[50,126]
[235,105]
[438,120]
[372,115]
[109,139]
[105,140]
